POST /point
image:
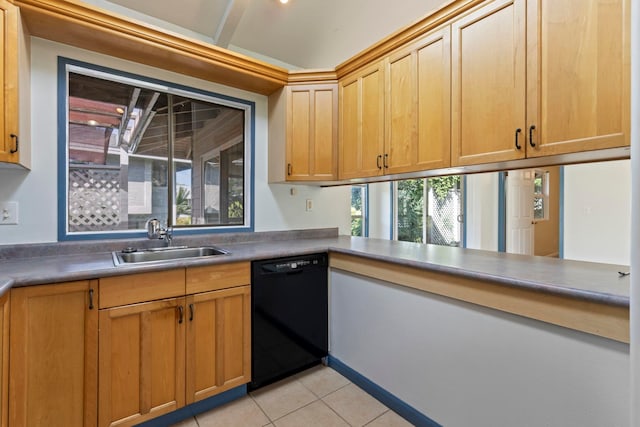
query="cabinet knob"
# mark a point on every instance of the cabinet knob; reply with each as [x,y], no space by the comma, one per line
[14,136]
[518,146]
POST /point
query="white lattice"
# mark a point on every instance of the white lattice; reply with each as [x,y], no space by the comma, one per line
[94,199]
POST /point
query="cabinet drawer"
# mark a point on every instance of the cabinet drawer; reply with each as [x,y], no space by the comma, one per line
[213,277]
[135,288]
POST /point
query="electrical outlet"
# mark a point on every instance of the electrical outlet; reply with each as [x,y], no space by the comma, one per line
[309,205]
[9,213]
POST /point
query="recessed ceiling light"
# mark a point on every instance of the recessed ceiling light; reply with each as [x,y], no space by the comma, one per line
[120,110]
[92,123]
[284,1]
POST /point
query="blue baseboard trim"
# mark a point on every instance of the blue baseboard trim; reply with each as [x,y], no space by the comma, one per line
[407,412]
[196,408]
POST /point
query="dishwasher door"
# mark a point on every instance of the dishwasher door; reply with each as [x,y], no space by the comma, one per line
[289,327]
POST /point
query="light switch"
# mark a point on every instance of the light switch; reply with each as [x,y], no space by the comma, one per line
[8,213]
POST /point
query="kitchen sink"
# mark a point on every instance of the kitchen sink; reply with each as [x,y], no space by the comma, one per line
[133,256]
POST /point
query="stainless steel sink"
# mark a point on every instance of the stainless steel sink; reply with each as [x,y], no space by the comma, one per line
[129,256]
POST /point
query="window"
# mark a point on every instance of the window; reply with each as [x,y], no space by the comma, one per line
[429,210]
[359,204]
[541,195]
[136,148]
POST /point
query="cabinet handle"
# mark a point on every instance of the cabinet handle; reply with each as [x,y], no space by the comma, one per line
[378,162]
[518,146]
[289,169]
[531,129]
[181,312]
[386,161]
[14,136]
[191,309]
[90,299]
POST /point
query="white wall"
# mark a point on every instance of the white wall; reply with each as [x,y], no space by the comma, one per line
[464,365]
[36,191]
[380,210]
[597,212]
[482,211]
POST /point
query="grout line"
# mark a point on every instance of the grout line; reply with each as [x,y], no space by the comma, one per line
[388,410]
[336,412]
[260,407]
[302,407]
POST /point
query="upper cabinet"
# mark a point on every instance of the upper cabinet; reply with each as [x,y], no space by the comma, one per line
[395,114]
[14,78]
[539,78]
[303,133]
[417,108]
[578,71]
[488,84]
[361,139]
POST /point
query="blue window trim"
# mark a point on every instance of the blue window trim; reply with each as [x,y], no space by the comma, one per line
[366,211]
[464,211]
[561,214]
[63,165]
[502,212]
[392,210]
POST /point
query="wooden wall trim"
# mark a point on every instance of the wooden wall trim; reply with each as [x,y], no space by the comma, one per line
[312,76]
[87,27]
[599,319]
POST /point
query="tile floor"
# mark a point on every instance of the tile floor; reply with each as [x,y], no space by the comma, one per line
[317,397]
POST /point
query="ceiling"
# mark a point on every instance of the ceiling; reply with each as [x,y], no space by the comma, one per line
[301,34]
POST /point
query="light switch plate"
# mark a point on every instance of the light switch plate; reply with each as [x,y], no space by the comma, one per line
[8,213]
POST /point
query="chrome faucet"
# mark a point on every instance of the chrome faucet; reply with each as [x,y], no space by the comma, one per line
[156,231]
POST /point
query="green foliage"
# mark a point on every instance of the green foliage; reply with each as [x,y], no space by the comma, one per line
[356,226]
[410,210]
[442,184]
[236,209]
[183,201]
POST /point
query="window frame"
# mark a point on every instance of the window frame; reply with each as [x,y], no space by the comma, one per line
[364,189]
[543,195]
[67,65]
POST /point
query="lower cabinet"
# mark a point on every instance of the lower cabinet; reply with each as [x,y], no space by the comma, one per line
[53,355]
[218,341]
[122,350]
[160,351]
[4,360]
[141,361]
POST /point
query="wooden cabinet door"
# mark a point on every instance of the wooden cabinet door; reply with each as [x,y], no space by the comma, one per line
[578,75]
[4,360]
[488,84]
[361,142]
[312,132]
[418,106]
[53,359]
[141,363]
[9,82]
[218,341]
[434,101]
[401,130]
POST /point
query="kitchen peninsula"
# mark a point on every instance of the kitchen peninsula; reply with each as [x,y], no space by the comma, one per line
[400,312]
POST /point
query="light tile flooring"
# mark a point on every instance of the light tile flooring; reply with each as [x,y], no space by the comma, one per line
[317,397]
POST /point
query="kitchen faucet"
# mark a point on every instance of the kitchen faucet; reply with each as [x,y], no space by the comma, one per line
[156,231]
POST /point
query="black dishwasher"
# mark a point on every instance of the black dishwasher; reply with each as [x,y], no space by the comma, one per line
[289,326]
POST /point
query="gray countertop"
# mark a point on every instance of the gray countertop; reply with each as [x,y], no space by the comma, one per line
[582,280]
